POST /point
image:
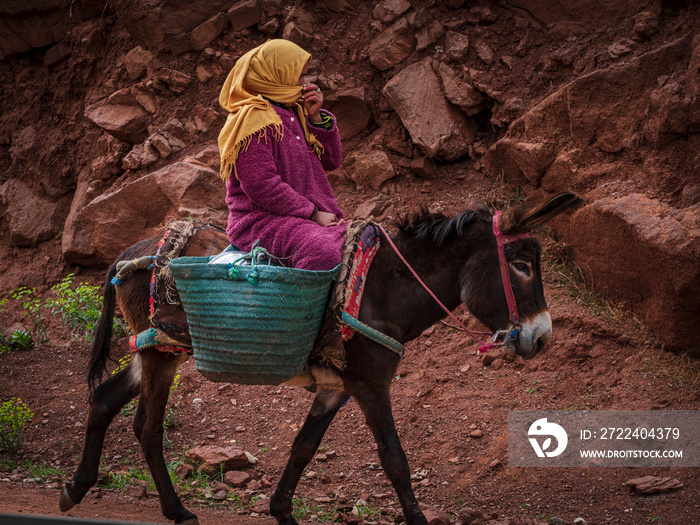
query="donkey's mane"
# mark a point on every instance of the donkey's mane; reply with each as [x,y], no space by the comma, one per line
[437,227]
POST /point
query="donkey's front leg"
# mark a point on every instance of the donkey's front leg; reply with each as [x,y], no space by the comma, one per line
[323,410]
[106,402]
[376,406]
[158,371]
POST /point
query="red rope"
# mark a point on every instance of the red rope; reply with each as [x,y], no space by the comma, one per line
[484,346]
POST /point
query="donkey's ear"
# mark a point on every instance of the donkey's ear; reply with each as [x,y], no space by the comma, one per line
[525,216]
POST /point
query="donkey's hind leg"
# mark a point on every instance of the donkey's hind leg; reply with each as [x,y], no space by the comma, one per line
[323,409]
[157,372]
[106,402]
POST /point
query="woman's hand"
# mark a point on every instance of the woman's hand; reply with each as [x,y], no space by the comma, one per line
[323,218]
[312,99]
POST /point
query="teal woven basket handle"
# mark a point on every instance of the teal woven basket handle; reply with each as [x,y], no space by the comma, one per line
[256,254]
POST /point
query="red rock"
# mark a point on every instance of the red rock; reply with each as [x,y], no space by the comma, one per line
[228,457]
[662,246]
[136,62]
[389,10]
[244,14]
[440,129]
[392,46]
[434,516]
[237,478]
[99,231]
[204,34]
[653,484]
[371,168]
[121,116]
[31,219]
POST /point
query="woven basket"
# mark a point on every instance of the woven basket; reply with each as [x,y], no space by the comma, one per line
[251,330]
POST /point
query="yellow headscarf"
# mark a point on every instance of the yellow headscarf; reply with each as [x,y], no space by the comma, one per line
[270,70]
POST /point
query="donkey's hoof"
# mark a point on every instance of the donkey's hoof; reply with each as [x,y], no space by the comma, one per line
[65,503]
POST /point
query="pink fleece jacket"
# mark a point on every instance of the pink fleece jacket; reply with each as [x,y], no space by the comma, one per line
[273,198]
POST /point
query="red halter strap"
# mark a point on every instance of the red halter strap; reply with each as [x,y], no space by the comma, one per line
[501,241]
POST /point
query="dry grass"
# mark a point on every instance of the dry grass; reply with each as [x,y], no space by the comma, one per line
[502,195]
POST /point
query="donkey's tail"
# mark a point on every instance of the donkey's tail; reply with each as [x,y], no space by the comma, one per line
[103,334]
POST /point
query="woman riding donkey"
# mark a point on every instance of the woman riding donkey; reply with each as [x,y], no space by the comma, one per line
[275,147]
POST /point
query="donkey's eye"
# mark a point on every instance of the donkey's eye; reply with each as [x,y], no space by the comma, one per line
[522,267]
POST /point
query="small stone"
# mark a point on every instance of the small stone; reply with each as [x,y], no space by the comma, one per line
[203,74]
[184,470]
[136,492]
[219,496]
[556,521]
[465,368]
[321,457]
[484,52]
[434,516]
[270,27]
[476,433]
[580,521]
[495,464]
[218,486]
[653,484]
[237,478]
[253,485]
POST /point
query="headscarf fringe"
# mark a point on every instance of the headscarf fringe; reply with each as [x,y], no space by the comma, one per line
[228,162]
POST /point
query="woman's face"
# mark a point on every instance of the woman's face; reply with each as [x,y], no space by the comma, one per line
[304,71]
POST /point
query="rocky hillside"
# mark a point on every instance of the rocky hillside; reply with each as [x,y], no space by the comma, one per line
[110,117]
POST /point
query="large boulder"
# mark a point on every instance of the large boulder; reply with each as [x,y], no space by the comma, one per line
[121,116]
[438,127]
[643,253]
[76,243]
[115,220]
[31,218]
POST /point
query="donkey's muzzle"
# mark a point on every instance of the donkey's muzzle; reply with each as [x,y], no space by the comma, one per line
[535,334]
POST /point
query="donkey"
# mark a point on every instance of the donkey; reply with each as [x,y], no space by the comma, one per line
[458,258]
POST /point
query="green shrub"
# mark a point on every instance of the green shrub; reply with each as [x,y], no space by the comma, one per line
[14,414]
[21,340]
[32,308]
[79,308]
